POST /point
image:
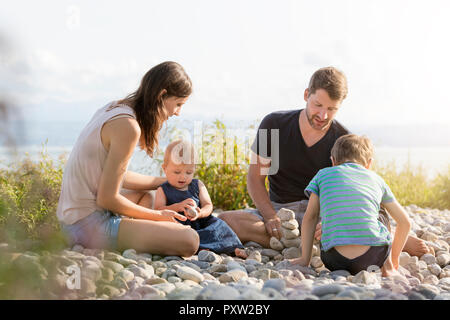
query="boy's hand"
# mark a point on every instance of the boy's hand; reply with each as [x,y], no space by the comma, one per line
[395,262]
[318,233]
[170,215]
[299,261]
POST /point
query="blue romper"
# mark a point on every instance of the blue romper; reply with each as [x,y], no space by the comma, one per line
[215,234]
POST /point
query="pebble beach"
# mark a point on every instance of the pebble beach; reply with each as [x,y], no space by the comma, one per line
[80,273]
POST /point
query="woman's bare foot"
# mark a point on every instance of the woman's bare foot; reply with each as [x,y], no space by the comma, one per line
[240,253]
[416,247]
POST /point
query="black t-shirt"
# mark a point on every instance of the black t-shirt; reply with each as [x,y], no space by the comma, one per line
[297,163]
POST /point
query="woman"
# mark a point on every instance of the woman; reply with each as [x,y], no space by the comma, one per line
[91,204]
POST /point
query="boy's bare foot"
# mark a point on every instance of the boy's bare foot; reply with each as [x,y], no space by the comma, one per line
[240,253]
[416,247]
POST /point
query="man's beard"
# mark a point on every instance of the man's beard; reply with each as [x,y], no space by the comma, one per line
[313,125]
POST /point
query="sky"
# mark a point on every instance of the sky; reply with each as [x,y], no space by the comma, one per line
[62,60]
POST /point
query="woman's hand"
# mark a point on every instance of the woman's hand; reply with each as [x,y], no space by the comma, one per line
[170,215]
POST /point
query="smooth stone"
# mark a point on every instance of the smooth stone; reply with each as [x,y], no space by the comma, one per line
[254,255]
[435,269]
[208,256]
[339,273]
[443,296]
[273,294]
[110,291]
[290,224]
[173,279]
[125,274]
[91,270]
[299,275]
[183,294]
[415,296]
[263,274]
[428,291]
[327,289]
[234,265]
[252,244]
[428,258]
[199,264]
[153,281]
[233,275]
[165,287]
[119,283]
[130,254]
[276,244]
[285,264]
[302,296]
[141,272]
[290,234]
[291,253]
[285,214]
[187,273]
[316,262]
[192,265]
[251,294]
[87,287]
[125,261]
[288,243]
[172,258]
[404,258]
[443,260]
[147,289]
[271,253]
[365,277]
[107,274]
[218,268]
[277,284]
[78,248]
[431,279]
[116,267]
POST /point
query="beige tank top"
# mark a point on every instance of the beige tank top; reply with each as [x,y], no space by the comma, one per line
[84,167]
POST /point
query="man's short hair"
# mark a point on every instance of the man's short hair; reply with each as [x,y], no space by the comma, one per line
[352,148]
[332,80]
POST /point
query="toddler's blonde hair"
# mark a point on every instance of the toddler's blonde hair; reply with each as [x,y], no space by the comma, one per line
[179,152]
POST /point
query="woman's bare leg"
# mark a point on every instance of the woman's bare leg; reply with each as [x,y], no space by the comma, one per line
[158,237]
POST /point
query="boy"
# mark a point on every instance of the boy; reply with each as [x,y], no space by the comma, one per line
[347,197]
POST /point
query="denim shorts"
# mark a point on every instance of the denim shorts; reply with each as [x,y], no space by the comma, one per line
[299,208]
[99,230]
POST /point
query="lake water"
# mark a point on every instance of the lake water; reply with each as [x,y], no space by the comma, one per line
[426,146]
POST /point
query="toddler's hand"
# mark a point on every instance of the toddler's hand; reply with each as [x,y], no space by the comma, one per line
[170,215]
[192,212]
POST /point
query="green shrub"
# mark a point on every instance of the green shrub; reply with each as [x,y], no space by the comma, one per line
[29,193]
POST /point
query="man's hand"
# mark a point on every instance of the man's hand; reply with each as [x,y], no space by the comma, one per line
[318,233]
[273,227]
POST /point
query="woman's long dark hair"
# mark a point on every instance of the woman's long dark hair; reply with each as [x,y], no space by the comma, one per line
[147,104]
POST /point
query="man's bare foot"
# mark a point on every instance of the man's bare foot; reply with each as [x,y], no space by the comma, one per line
[240,253]
[416,247]
[294,261]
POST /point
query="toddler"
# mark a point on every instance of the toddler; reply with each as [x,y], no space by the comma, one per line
[188,196]
[347,198]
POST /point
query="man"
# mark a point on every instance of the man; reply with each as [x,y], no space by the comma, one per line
[290,148]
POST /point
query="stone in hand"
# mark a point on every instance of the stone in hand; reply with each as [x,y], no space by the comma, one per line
[191,212]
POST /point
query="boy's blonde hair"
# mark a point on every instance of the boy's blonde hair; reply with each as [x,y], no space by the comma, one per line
[179,152]
[352,148]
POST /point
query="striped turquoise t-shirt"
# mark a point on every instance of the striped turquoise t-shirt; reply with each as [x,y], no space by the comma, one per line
[350,197]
